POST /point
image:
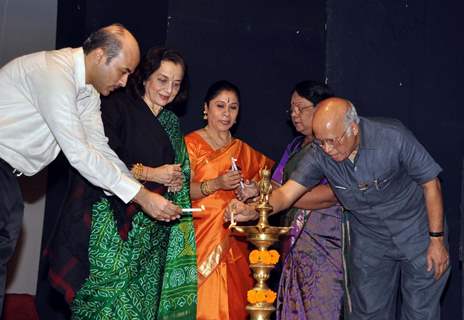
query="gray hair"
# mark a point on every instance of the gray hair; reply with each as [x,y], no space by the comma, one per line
[108,40]
[351,116]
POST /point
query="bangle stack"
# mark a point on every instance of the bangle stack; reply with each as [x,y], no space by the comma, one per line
[204,189]
[137,171]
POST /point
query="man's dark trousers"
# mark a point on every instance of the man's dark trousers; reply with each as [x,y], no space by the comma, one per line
[11,216]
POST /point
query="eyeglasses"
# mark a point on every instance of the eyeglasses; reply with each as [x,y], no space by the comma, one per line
[331,142]
[298,109]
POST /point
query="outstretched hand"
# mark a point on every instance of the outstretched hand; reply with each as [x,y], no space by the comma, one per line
[241,211]
[157,206]
[169,175]
[249,190]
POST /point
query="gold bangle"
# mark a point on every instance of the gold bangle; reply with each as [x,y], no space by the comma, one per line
[204,188]
[137,171]
[208,188]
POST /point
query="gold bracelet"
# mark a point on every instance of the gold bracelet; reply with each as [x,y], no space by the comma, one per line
[202,189]
[208,189]
[205,191]
[137,171]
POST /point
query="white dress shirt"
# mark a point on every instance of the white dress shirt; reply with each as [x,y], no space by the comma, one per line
[46,106]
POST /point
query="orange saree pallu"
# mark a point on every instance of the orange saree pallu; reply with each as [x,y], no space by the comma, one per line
[223,273]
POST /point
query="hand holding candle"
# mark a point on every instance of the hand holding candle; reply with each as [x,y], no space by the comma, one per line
[238,211]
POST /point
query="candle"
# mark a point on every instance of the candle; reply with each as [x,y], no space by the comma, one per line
[232,221]
[235,168]
[202,208]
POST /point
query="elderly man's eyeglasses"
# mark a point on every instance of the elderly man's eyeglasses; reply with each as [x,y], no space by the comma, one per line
[298,109]
[331,142]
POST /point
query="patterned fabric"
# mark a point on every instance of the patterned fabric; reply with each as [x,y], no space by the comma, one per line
[151,274]
[179,292]
[311,284]
[125,276]
[224,274]
[292,148]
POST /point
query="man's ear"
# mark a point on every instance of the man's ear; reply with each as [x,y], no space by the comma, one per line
[355,128]
[99,55]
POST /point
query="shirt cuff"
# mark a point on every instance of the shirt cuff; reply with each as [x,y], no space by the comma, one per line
[432,172]
[304,181]
[126,189]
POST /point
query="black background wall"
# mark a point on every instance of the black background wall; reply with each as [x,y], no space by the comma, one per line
[264,47]
[397,59]
[403,59]
[461,245]
[78,18]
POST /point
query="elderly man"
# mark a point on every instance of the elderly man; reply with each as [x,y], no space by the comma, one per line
[389,183]
[49,101]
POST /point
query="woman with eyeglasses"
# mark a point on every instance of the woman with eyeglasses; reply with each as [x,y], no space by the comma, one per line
[221,165]
[110,259]
[311,281]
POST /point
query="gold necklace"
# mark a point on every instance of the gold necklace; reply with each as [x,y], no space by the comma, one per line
[217,145]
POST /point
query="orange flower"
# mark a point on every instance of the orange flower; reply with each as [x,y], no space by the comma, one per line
[260,296]
[251,296]
[274,256]
[264,256]
[270,296]
[254,256]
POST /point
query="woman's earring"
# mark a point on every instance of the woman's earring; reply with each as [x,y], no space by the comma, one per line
[205,115]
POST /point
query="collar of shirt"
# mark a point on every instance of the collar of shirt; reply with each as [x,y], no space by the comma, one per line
[366,141]
[79,72]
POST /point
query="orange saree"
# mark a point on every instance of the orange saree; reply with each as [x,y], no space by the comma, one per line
[223,274]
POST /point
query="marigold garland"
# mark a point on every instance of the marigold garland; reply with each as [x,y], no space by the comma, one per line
[257,296]
[264,256]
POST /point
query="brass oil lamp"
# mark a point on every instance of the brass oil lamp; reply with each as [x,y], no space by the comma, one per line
[262,236]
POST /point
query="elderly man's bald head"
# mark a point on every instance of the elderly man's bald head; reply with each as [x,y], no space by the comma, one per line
[330,114]
[335,125]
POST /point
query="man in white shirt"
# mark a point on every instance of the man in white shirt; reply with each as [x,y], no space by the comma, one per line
[50,101]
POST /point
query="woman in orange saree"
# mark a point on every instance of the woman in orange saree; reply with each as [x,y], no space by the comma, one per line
[223,273]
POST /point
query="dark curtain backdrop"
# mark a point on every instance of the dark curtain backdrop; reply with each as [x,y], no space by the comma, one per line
[78,18]
[264,47]
[397,59]
[461,245]
[403,59]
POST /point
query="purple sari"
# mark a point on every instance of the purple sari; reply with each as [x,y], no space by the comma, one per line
[311,284]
